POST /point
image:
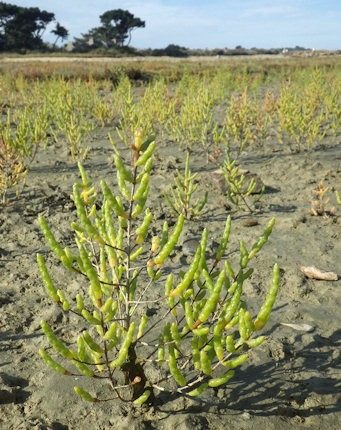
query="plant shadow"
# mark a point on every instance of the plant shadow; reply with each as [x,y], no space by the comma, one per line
[283,388]
[13,389]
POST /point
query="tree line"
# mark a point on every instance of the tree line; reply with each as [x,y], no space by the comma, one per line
[22,28]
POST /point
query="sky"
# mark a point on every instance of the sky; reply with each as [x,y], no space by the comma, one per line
[314,24]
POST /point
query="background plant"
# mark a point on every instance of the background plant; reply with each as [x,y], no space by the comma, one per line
[240,117]
[208,108]
[240,188]
[301,116]
[12,168]
[193,123]
[182,192]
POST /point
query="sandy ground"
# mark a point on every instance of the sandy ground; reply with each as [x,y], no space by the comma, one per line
[291,382]
[68,59]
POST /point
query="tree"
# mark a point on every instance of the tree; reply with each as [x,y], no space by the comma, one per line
[21,27]
[61,33]
[117,26]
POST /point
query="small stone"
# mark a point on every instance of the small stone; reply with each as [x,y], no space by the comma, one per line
[221,394]
[298,419]
[213,409]
[250,222]
[246,415]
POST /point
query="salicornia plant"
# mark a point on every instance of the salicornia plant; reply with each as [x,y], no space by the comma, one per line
[300,116]
[240,190]
[238,121]
[181,194]
[12,168]
[203,329]
[319,206]
[194,122]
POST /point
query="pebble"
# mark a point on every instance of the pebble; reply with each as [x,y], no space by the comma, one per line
[250,222]
[299,327]
[246,415]
[221,394]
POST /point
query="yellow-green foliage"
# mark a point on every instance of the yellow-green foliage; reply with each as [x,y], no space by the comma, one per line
[12,168]
[181,193]
[203,322]
[338,198]
[240,189]
[233,105]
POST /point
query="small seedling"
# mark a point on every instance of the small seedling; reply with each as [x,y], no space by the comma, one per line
[181,194]
[319,205]
[240,193]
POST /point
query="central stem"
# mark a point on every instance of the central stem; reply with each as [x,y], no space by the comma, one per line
[134,373]
[128,250]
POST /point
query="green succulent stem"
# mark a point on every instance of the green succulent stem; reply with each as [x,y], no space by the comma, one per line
[203,323]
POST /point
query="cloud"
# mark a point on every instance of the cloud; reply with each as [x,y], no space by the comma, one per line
[179,24]
[270,10]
